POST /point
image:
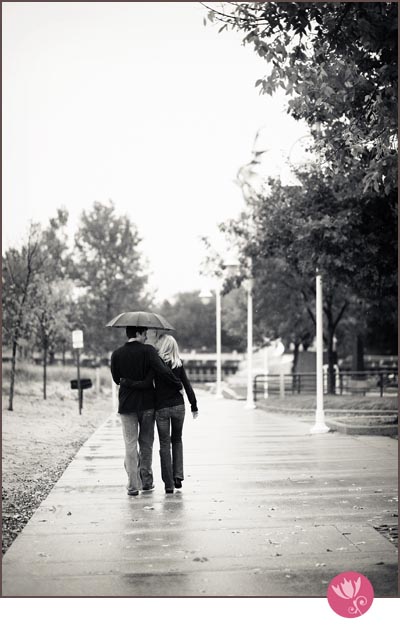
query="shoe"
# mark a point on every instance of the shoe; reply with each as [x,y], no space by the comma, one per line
[178,483]
[169,490]
[132,492]
[148,488]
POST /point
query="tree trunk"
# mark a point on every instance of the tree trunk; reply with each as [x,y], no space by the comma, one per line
[331,363]
[295,356]
[20,316]
[12,374]
[358,354]
[331,325]
[17,332]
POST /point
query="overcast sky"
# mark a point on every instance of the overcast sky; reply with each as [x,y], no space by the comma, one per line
[141,104]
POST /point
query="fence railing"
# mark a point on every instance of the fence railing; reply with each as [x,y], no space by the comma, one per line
[371,382]
[207,372]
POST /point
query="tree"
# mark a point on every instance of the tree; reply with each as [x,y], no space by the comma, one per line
[195,322]
[53,289]
[313,226]
[51,311]
[337,62]
[21,268]
[109,272]
[54,243]
[32,276]
[279,308]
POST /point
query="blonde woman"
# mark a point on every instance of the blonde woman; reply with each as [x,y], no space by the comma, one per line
[170,414]
[170,411]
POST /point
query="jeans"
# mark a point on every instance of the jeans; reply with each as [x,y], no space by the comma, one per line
[169,425]
[138,428]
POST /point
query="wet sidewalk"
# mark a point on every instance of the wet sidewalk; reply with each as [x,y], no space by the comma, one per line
[266,509]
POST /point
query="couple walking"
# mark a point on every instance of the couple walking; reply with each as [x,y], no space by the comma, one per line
[152,382]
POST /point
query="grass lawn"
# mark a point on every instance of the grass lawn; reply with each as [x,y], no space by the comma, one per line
[40,437]
[337,403]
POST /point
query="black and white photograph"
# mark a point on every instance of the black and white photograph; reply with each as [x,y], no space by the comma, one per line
[199,302]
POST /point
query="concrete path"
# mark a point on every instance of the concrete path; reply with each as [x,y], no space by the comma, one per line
[266,510]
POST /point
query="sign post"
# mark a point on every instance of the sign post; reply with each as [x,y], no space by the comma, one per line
[77,343]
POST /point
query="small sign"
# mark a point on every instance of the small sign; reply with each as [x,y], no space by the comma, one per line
[84,383]
[77,339]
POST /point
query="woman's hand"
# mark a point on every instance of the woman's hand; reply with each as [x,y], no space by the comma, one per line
[195,414]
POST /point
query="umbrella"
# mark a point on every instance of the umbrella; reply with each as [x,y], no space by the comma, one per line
[141,319]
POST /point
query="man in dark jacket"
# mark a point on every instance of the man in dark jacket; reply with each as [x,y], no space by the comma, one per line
[137,406]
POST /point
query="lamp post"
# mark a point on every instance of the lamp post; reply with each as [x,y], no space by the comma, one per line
[77,344]
[205,296]
[233,268]
[250,404]
[319,426]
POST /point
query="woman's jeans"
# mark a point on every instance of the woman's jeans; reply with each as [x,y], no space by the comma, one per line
[138,428]
[169,425]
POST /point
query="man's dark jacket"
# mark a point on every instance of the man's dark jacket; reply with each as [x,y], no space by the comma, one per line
[134,360]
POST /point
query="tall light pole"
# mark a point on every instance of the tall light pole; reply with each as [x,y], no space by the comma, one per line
[205,296]
[266,367]
[250,404]
[77,344]
[251,183]
[233,268]
[218,392]
[319,426]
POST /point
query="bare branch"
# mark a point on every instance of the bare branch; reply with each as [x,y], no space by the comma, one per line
[340,315]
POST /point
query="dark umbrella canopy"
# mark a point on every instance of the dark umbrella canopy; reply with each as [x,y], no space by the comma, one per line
[141,319]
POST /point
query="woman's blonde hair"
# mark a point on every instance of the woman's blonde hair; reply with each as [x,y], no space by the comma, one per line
[167,348]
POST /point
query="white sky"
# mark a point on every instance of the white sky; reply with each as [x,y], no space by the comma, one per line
[139,103]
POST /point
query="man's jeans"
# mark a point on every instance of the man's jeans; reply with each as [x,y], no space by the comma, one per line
[169,425]
[138,428]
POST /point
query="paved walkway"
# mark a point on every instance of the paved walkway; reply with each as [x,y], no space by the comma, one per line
[266,510]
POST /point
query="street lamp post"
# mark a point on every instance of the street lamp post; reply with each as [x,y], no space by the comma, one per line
[266,367]
[205,296]
[218,392]
[319,426]
[250,404]
[233,267]
[77,344]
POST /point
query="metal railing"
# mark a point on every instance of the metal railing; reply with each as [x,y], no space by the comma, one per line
[207,372]
[371,382]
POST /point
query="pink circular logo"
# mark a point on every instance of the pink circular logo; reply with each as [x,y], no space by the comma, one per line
[350,594]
